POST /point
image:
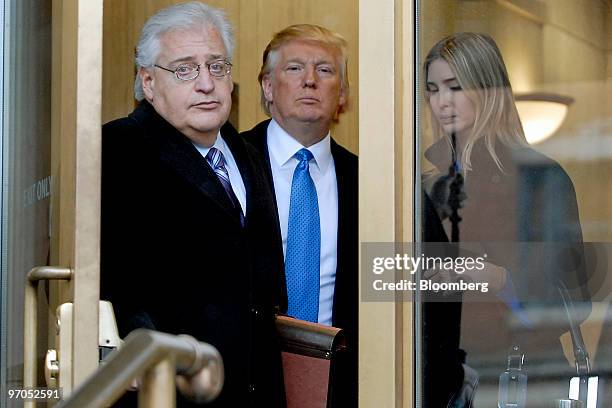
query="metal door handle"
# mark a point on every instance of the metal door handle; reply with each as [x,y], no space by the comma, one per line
[37,274]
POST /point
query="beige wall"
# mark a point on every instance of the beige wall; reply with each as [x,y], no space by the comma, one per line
[609,41]
[255,22]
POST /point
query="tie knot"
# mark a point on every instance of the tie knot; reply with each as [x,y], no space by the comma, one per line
[304,155]
[215,158]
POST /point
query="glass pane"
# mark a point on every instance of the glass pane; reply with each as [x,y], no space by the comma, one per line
[515,150]
[26,168]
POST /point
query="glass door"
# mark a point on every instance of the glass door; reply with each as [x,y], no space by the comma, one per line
[50,93]
[27,185]
[514,159]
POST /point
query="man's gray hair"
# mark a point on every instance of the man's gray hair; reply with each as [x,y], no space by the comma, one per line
[178,17]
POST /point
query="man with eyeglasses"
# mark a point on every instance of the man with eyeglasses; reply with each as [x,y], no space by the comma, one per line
[190,240]
[304,88]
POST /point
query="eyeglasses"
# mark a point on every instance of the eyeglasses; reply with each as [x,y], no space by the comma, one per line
[191,70]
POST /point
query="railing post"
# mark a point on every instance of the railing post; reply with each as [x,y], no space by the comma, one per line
[158,388]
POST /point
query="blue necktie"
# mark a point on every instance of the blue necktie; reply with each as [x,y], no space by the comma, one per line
[215,159]
[303,244]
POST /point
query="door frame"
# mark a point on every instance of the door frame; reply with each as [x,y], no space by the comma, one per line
[386,129]
[386,192]
[75,167]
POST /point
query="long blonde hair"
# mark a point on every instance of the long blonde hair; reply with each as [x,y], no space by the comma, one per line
[479,68]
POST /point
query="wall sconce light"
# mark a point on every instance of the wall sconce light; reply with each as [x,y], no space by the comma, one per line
[541,114]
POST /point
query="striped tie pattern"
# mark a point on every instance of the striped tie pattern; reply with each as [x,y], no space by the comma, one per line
[215,159]
[303,256]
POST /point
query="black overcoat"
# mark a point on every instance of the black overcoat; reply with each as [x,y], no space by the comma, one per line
[175,258]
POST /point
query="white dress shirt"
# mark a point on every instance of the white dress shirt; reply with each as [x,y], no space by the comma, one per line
[231,166]
[282,148]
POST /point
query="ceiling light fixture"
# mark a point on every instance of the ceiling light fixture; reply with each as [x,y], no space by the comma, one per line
[541,114]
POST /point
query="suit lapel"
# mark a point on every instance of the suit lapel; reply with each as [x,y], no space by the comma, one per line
[347,192]
[339,285]
[266,152]
[236,145]
[342,193]
[258,138]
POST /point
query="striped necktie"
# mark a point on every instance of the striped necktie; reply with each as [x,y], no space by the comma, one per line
[215,159]
[303,243]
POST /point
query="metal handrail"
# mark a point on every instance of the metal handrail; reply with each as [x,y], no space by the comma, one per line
[149,354]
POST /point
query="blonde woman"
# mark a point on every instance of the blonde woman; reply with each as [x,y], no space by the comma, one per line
[508,193]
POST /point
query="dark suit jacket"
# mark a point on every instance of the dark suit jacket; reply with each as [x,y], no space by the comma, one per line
[346,298]
[441,327]
[176,259]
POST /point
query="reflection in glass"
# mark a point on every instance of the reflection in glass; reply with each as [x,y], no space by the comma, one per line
[542,114]
[26,167]
[509,192]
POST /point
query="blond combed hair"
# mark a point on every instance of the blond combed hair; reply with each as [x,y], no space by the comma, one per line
[479,68]
[303,32]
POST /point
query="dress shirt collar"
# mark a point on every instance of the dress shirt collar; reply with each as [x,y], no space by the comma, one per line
[282,147]
[219,144]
